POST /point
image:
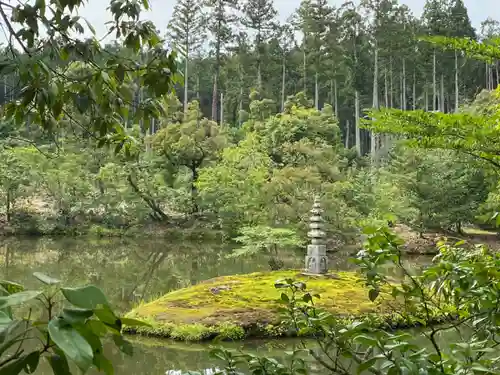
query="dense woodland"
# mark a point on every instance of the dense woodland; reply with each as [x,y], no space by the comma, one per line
[265,117]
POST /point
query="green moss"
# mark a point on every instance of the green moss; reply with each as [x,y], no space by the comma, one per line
[247,305]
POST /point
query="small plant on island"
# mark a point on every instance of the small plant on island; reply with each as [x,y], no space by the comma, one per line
[269,240]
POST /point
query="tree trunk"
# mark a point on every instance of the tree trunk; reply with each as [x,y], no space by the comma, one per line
[443,107]
[336,98]
[391,91]
[347,130]
[426,98]
[283,82]
[403,106]
[221,121]
[304,69]
[240,107]
[186,85]
[215,92]
[386,88]
[357,130]
[456,83]
[414,91]
[434,87]
[496,71]
[316,91]
[373,136]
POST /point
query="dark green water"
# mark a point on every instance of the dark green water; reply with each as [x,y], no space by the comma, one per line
[129,271]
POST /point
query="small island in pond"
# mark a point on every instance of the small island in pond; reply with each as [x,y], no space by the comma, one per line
[240,306]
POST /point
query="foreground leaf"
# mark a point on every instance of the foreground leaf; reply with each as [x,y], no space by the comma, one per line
[46,279]
[11,287]
[88,297]
[18,298]
[71,343]
[59,363]
[134,323]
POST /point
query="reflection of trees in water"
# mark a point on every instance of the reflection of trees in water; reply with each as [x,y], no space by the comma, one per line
[127,270]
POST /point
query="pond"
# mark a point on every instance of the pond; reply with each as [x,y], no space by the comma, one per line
[130,271]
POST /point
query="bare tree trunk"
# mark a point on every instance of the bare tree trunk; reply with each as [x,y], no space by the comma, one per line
[434,87]
[386,88]
[373,138]
[391,91]
[357,130]
[240,120]
[456,82]
[304,70]
[403,107]
[283,82]
[426,97]
[186,86]
[496,71]
[336,98]
[221,121]
[414,91]
[316,91]
[443,107]
[347,131]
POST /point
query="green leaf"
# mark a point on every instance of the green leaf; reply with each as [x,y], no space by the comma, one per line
[5,321]
[71,343]
[124,345]
[108,317]
[31,362]
[366,365]
[74,316]
[46,279]
[59,363]
[373,294]
[285,298]
[145,4]
[11,286]
[134,323]
[97,327]
[104,364]
[13,368]
[18,298]
[88,297]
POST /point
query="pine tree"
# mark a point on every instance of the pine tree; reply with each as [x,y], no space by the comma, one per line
[186,31]
[259,16]
[221,18]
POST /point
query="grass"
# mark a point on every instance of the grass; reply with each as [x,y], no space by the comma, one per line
[239,306]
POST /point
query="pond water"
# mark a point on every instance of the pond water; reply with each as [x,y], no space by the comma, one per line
[129,271]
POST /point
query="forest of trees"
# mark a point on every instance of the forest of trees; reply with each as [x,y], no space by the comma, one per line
[352,57]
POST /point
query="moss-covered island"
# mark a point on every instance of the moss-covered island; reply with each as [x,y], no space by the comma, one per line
[247,305]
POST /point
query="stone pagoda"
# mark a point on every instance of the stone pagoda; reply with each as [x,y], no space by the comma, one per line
[316,258]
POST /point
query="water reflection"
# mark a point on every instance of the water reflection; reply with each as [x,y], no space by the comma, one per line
[132,270]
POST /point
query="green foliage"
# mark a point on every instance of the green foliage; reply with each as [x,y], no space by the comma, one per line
[68,81]
[460,283]
[79,319]
[260,238]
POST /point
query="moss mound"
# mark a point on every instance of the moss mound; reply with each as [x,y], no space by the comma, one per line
[246,305]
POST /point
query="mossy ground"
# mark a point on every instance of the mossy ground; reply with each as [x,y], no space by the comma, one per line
[247,305]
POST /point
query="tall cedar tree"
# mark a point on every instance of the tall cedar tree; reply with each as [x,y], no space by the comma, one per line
[259,16]
[186,31]
[222,16]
